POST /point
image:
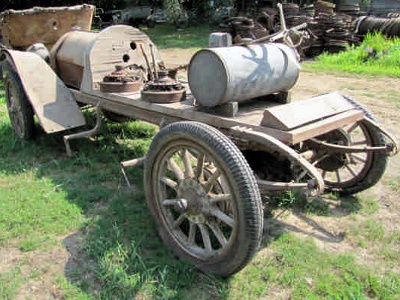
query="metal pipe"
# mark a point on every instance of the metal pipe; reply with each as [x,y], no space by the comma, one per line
[136,162]
[147,63]
[154,61]
[83,134]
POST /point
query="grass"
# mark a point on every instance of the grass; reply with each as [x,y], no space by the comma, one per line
[167,36]
[299,267]
[376,55]
[54,204]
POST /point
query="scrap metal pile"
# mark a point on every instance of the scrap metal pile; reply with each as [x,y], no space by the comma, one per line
[329,28]
[388,26]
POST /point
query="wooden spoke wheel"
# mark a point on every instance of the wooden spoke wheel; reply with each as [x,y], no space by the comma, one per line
[349,173]
[204,197]
[19,108]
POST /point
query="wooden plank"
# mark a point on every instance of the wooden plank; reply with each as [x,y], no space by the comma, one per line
[293,115]
[130,105]
[315,129]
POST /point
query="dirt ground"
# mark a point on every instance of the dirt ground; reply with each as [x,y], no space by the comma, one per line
[381,95]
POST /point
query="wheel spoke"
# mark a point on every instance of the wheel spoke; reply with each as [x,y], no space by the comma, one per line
[178,221]
[169,182]
[216,212]
[350,170]
[211,181]
[200,167]
[364,142]
[352,128]
[206,238]
[192,233]
[169,202]
[301,176]
[319,159]
[175,169]
[218,234]
[186,161]
[220,198]
[338,176]
[358,158]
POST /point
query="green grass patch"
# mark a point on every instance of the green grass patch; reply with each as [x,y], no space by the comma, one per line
[10,281]
[33,210]
[370,206]
[167,36]
[376,55]
[300,267]
[394,184]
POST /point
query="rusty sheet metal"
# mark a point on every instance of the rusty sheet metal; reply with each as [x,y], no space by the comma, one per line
[22,28]
[52,101]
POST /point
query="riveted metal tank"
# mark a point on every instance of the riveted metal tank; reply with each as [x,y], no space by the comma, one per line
[240,73]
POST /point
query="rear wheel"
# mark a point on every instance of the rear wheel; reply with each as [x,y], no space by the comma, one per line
[353,172]
[204,198]
[19,108]
[349,173]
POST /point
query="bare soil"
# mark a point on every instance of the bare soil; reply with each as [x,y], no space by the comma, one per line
[381,95]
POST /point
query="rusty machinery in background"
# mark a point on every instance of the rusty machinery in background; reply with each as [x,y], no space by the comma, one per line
[225,137]
[329,28]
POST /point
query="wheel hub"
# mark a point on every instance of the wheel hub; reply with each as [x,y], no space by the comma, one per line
[196,198]
[335,160]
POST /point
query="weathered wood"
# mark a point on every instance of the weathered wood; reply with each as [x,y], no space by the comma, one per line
[229,109]
[299,113]
[315,129]
[130,105]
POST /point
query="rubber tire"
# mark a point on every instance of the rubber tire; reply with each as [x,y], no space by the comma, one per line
[27,123]
[237,171]
[379,159]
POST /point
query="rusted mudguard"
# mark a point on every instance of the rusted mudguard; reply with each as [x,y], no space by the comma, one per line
[51,100]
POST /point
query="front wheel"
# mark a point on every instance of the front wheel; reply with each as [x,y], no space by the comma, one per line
[19,108]
[204,197]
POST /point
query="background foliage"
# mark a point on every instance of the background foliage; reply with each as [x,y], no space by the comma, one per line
[200,5]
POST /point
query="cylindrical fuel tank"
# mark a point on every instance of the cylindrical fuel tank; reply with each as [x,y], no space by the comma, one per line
[240,73]
[69,54]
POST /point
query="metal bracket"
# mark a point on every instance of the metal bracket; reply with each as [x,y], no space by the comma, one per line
[84,134]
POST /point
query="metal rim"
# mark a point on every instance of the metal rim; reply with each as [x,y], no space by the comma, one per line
[196,200]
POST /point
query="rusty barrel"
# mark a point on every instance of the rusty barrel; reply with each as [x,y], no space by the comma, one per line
[240,73]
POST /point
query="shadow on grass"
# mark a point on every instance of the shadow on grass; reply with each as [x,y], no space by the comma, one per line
[307,214]
[117,253]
